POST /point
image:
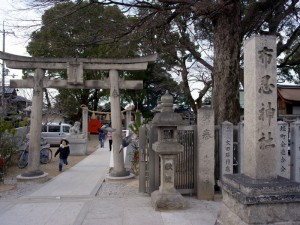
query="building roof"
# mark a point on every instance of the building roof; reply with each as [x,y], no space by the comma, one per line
[20,99]
[289,93]
[7,90]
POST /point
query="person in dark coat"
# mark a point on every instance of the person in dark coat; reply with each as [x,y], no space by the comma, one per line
[101,137]
[109,136]
[63,151]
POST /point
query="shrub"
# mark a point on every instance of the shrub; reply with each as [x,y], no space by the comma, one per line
[8,144]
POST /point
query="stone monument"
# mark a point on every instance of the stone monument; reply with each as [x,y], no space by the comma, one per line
[77,140]
[85,115]
[283,160]
[167,147]
[226,153]
[295,151]
[205,156]
[259,196]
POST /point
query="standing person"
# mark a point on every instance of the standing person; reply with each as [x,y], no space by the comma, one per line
[109,136]
[63,151]
[101,137]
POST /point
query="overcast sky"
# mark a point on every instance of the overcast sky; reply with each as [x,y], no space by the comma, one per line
[18,22]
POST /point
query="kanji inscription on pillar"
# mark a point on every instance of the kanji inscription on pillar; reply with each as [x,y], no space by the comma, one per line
[260,140]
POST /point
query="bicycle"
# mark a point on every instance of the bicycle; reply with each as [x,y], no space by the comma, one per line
[45,154]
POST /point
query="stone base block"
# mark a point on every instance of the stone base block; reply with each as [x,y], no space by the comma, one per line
[167,201]
[78,146]
[36,176]
[131,175]
[123,173]
[248,201]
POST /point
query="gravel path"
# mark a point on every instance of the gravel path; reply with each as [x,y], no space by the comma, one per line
[119,188]
[19,189]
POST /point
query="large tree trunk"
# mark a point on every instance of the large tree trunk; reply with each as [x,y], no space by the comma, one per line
[227,27]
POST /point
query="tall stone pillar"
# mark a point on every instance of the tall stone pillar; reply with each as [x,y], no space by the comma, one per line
[128,118]
[35,128]
[295,151]
[258,196]
[283,160]
[206,154]
[118,157]
[241,146]
[260,108]
[226,150]
[85,121]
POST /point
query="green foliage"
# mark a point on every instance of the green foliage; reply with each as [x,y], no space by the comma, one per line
[23,123]
[135,126]
[155,84]
[75,30]
[289,67]
[6,126]
[135,156]
[8,144]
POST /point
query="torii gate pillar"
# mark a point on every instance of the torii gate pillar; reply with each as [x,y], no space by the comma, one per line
[35,128]
[118,170]
[85,121]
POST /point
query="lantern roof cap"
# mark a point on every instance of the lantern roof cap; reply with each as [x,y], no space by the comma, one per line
[167,117]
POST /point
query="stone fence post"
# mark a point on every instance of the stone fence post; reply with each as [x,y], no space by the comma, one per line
[226,153]
[241,146]
[205,156]
[282,150]
[142,164]
[85,121]
[295,151]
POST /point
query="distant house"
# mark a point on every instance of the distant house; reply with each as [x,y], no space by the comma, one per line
[288,102]
[14,104]
[9,94]
[20,103]
[186,113]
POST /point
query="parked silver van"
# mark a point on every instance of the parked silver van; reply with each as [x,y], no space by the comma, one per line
[54,132]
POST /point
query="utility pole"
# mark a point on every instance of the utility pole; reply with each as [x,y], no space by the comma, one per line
[4,73]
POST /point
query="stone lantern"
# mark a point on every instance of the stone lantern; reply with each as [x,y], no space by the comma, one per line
[167,147]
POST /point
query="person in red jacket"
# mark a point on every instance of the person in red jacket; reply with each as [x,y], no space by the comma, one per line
[63,151]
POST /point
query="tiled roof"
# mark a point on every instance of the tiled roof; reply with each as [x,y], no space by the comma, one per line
[7,90]
[289,93]
[20,99]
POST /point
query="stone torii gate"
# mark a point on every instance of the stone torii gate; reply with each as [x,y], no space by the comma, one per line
[75,67]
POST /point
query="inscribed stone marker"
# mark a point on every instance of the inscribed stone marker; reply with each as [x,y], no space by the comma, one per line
[260,108]
[206,158]
[282,150]
[295,151]
[226,154]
